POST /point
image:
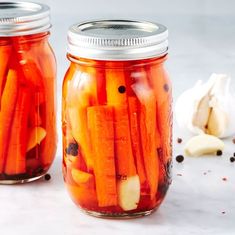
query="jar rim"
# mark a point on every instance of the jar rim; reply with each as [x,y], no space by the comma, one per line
[23,18]
[117,40]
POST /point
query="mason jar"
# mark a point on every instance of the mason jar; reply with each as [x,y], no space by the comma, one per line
[117,118]
[27,92]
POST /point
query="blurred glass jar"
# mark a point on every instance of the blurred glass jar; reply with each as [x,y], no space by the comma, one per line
[117,119]
[27,92]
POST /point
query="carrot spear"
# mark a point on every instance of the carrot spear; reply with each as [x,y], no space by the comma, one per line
[16,157]
[5,53]
[8,103]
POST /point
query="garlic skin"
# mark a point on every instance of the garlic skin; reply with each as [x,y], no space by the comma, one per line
[207,108]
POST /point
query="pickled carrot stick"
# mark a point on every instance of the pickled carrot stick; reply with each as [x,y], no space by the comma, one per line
[8,102]
[48,145]
[65,91]
[135,139]
[83,93]
[34,117]
[116,97]
[32,75]
[5,53]
[47,66]
[116,87]
[125,164]
[98,92]
[16,155]
[161,84]
[148,133]
[100,123]
[78,122]
[162,91]
[101,86]
[165,128]
[37,99]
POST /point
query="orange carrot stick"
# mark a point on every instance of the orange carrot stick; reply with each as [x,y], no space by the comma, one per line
[16,157]
[148,132]
[100,123]
[8,103]
[98,75]
[38,99]
[83,93]
[123,150]
[116,97]
[135,139]
[115,87]
[162,90]
[5,53]
[47,66]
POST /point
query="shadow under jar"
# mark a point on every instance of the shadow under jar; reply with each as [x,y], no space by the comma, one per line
[27,92]
[116,118]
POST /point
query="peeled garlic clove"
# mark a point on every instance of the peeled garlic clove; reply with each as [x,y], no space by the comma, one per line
[129,193]
[203,144]
[217,122]
[200,118]
[36,135]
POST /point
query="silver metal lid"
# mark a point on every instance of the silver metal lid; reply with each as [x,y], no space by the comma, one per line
[23,18]
[117,40]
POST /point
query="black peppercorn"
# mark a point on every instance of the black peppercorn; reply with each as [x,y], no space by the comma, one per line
[179,140]
[47,177]
[232,159]
[122,89]
[219,153]
[179,158]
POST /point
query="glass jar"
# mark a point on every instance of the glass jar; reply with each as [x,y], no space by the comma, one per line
[27,92]
[117,119]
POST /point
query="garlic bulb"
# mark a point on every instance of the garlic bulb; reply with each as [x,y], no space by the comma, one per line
[208,108]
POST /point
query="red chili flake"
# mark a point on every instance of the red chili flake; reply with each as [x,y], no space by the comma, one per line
[179,140]
[234,140]
[179,174]
[224,179]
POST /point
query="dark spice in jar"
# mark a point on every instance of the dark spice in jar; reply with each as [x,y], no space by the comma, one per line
[166,87]
[122,89]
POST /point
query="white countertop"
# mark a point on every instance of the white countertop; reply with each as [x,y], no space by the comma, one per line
[202,36]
